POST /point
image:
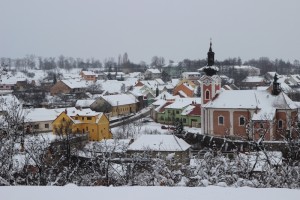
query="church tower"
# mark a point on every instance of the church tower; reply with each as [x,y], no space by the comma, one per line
[210,82]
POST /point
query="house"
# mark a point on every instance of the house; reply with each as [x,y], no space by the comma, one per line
[185,110]
[116,105]
[173,70]
[252,82]
[191,75]
[167,147]
[152,74]
[294,80]
[266,114]
[250,70]
[83,121]
[40,119]
[140,96]
[69,86]
[114,75]
[184,90]
[88,75]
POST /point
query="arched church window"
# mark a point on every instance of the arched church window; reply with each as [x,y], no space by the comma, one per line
[207,94]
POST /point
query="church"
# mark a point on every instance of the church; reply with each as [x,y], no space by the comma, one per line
[244,114]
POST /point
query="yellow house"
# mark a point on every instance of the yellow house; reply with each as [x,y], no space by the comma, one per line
[77,121]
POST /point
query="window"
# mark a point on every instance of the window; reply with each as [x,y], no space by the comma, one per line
[242,121]
[184,120]
[36,126]
[162,117]
[46,125]
[261,125]
[87,128]
[76,118]
[280,123]
[207,95]
[221,120]
[82,118]
[177,111]
[89,118]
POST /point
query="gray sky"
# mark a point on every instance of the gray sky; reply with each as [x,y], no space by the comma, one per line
[174,29]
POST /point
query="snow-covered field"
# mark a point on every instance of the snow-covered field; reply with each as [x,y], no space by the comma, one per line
[145,193]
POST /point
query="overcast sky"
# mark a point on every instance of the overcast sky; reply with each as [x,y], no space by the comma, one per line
[174,29]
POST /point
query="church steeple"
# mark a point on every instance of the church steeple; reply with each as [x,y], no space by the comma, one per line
[210,69]
[210,56]
[276,86]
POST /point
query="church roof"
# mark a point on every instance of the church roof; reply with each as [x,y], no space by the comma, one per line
[261,100]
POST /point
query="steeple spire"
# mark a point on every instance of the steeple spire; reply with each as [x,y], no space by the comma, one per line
[210,56]
[210,49]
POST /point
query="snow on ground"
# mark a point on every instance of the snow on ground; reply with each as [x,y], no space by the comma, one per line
[152,126]
[145,193]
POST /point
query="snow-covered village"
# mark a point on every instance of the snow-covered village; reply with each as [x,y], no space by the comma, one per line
[209,115]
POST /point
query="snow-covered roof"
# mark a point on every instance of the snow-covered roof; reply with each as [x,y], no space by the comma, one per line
[159,102]
[72,111]
[154,71]
[182,93]
[152,84]
[135,74]
[120,99]
[88,73]
[136,91]
[174,82]
[180,103]
[253,79]
[188,86]
[77,83]
[115,86]
[191,73]
[166,95]
[245,67]
[187,110]
[41,114]
[159,143]
[160,81]
[84,103]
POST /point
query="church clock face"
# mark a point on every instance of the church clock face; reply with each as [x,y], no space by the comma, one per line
[206,82]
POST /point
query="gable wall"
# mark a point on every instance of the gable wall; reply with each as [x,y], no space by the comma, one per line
[59,87]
